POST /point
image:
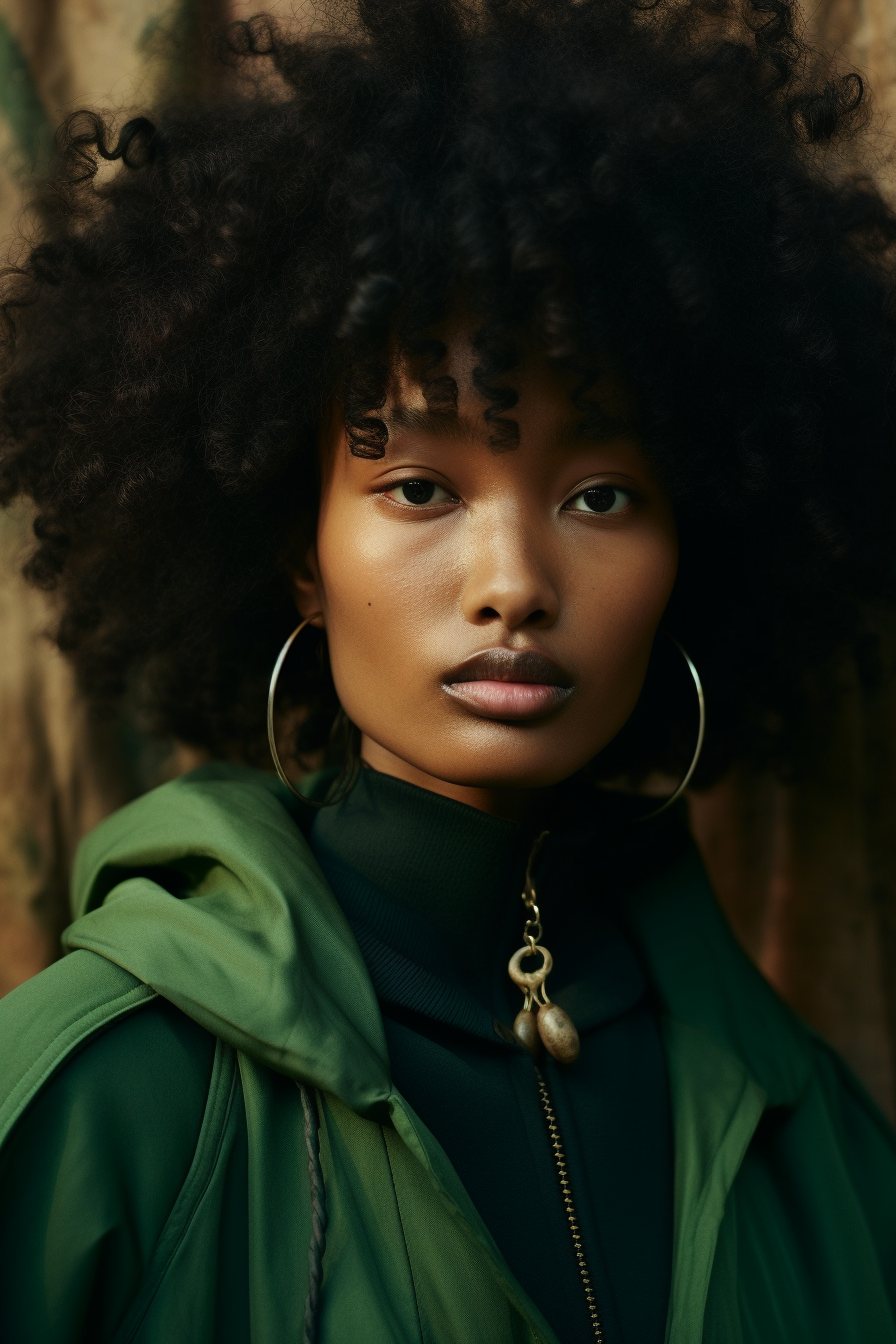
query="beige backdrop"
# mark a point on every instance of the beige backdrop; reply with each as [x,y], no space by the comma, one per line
[806,873]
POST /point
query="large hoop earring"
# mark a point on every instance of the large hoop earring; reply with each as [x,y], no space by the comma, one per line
[701,730]
[345,780]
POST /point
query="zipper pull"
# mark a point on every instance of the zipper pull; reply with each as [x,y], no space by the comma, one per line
[539,1021]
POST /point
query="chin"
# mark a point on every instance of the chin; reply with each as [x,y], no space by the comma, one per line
[511,770]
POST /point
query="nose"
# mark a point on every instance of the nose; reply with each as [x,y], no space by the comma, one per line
[508,580]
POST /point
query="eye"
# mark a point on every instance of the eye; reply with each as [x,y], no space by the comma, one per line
[420,492]
[601,499]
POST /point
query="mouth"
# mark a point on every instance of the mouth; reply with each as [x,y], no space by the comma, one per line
[509,684]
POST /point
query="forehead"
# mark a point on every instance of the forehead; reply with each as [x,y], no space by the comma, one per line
[534,422]
[461,400]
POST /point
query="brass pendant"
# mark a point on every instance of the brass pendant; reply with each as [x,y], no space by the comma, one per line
[525,1029]
[556,1029]
[539,1021]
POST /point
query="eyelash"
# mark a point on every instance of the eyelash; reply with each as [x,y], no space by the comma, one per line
[419,504]
[599,489]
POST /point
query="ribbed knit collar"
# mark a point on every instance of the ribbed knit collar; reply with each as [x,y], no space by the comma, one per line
[431,888]
[433,879]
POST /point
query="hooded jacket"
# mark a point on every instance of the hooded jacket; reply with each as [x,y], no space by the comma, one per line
[156,1180]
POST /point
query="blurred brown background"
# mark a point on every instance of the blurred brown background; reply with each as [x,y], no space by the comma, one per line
[806,871]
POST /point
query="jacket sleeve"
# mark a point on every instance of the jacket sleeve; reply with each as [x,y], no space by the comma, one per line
[94,1159]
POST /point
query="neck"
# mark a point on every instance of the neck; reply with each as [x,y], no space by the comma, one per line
[515,804]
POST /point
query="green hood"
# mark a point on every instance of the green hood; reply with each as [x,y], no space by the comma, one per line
[245,938]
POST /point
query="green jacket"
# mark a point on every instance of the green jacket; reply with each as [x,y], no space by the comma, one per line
[157,1188]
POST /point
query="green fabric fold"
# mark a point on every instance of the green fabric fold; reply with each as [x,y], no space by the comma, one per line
[258,951]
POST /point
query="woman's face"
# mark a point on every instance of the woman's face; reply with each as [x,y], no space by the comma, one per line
[489,615]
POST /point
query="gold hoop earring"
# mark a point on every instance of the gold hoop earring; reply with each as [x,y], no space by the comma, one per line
[345,780]
[701,731]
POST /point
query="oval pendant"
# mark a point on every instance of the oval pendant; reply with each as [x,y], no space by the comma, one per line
[525,1029]
[558,1032]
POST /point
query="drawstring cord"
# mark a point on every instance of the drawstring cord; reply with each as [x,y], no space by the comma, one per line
[318,1242]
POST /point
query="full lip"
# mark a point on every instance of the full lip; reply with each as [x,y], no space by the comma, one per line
[514,684]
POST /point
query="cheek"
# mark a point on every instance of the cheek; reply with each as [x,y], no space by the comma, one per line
[383,590]
[619,612]
[638,588]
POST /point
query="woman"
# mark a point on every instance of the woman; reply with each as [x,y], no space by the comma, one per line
[539,357]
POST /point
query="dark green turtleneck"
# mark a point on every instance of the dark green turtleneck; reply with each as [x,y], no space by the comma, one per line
[431,889]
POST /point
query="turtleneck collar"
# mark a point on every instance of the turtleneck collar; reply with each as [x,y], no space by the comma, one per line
[432,878]
[431,888]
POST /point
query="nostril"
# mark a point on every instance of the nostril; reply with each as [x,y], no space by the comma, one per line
[536,617]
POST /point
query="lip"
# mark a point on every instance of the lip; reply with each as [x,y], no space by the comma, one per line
[510,684]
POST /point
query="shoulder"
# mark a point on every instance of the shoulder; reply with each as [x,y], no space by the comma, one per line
[702,978]
[864,1133]
[867,1142]
[95,1039]
[51,1016]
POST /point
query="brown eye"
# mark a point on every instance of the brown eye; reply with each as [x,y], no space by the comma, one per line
[419,492]
[603,499]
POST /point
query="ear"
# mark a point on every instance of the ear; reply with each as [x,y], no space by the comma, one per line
[304,575]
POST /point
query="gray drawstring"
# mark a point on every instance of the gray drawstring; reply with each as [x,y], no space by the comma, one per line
[318,1241]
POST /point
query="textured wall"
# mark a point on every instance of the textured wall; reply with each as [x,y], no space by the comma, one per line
[59,772]
[806,872]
